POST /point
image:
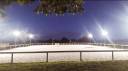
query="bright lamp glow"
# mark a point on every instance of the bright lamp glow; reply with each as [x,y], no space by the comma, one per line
[31,36]
[104,33]
[90,35]
[16,33]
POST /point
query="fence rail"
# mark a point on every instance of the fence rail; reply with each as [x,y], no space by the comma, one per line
[79,51]
[8,46]
[47,53]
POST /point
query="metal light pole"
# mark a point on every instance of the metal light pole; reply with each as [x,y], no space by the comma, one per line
[16,34]
[31,36]
[15,42]
[105,34]
[90,36]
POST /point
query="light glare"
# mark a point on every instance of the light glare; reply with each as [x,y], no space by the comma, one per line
[31,36]
[90,35]
[104,33]
[16,33]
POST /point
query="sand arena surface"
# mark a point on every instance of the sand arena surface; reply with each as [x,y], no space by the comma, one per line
[64,56]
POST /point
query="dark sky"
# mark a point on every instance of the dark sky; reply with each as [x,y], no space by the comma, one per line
[110,15]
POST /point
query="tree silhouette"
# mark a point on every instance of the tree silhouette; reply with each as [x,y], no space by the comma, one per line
[49,7]
[64,40]
[83,39]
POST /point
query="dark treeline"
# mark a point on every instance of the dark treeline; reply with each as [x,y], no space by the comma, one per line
[64,40]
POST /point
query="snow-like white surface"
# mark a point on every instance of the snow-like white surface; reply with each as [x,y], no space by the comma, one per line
[68,56]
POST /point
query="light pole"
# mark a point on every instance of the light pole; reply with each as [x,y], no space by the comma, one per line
[105,34]
[16,34]
[31,36]
[90,36]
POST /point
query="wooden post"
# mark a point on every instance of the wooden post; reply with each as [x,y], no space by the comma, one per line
[112,55]
[12,58]
[81,56]
[47,57]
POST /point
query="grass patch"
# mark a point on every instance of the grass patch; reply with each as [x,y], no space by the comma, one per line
[67,66]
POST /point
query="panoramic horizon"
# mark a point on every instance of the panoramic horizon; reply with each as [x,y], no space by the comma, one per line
[98,15]
[63,35]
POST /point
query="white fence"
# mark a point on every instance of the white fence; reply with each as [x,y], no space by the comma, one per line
[48,56]
[7,46]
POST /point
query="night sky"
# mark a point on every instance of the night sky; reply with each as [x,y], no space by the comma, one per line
[110,15]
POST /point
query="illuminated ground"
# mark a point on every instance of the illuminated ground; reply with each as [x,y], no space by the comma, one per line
[41,57]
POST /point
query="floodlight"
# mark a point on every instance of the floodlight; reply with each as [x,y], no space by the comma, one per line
[16,33]
[31,36]
[90,36]
[104,33]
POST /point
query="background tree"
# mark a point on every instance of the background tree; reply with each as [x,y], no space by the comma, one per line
[64,40]
[83,39]
[49,7]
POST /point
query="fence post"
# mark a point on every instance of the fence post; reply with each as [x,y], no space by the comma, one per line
[47,57]
[112,55]
[12,58]
[81,56]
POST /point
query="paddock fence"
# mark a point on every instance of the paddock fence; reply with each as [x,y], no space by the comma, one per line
[112,54]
